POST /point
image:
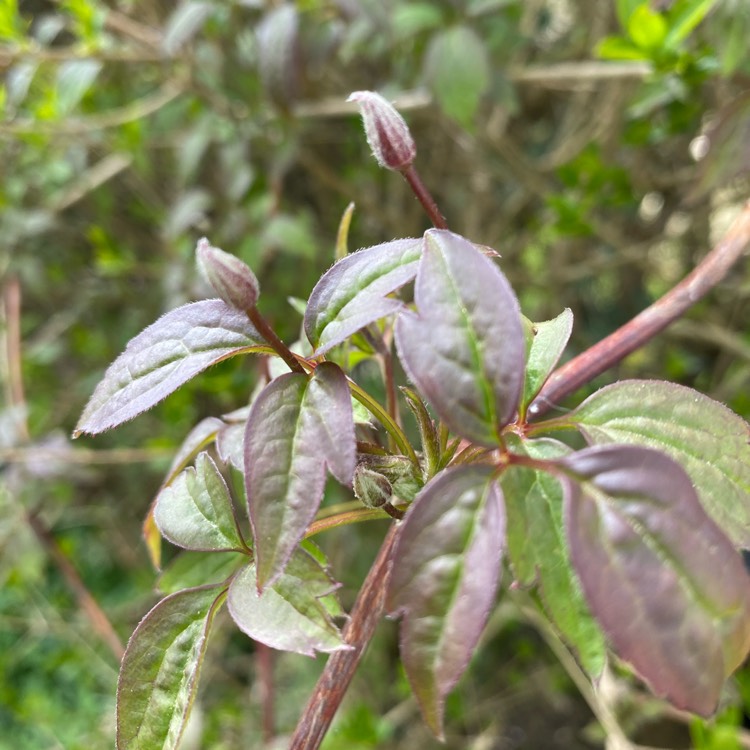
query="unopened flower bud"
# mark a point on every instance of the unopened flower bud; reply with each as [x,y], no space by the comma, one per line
[386,131]
[230,278]
[372,489]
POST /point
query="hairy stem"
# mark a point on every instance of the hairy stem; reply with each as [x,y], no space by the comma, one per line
[644,326]
[341,666]
[275,342]
[424,197]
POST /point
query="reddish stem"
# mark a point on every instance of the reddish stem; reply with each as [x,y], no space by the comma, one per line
[644,326]
[341,666]
[424,197]
[264,659]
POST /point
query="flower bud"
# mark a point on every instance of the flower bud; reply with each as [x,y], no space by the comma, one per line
[386,131]
[230,278]
[372,489]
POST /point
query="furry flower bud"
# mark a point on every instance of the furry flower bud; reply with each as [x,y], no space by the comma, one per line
[230,278]
[386,131]
[372,489]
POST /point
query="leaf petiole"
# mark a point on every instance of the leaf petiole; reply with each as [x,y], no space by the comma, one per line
[385,419]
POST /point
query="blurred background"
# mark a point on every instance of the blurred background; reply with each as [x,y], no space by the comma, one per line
[600,147]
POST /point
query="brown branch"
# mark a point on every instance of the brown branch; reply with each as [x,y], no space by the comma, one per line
[644,326]
[95,614]
[12,310]
[341,666]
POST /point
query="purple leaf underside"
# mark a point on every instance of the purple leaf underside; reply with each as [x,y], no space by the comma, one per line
[446,568]
[294,613]
[708,440]
[297,427]
[464,348]
[354,292]
[159,671]
[164,356]
[660,576]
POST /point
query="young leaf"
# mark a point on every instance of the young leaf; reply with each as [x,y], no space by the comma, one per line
[667,586]
[195,511]
[163,357]
[538,551]
[199,437]
[465,347]
[297,426]
[294,613]
[446,567]
[159,671]
[354,292]
[548,342]
[708,440]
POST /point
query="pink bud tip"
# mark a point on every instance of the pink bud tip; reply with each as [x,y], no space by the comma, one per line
[386,131]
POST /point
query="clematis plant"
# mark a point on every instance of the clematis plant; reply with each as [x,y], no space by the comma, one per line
[632,542]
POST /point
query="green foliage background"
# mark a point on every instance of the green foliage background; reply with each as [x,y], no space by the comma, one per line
[560,132]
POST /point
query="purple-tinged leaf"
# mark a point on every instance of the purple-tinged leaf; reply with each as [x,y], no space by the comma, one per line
[663,580]
[446,567]
[297,426]
[354,292]
[538,550]
[708,440]
[230,444]
[163,357]
[295,613]
[229,277]
[465,347]
[195,511]
[548,342]
[159,671]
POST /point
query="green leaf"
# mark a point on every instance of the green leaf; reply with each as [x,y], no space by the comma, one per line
[294,613]
[192,569]
[464,348]
[647,28]
[625,9]
[446,567]
[297,427]
[457,69]
[195,511]
[163,357]
[708,440]
[548,341]
[618,48]
[414,18]
[538,551]
[670,591]
[354,292]
[74,79]
[159,671]
[683,17]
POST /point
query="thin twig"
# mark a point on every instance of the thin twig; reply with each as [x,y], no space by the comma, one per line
[16,396]
[341,666]
[136,110]
[644,326]
[99,621]
[84,455]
